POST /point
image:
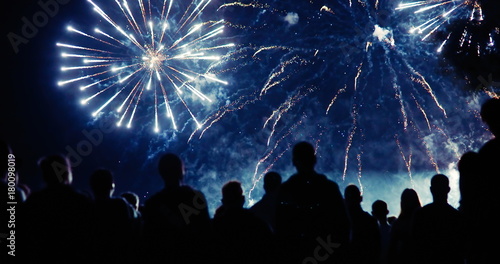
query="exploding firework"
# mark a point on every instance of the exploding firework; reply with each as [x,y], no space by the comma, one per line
[466,32]
[341,76]
[147,53]
[345,78]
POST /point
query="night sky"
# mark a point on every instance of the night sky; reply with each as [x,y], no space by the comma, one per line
[318,71]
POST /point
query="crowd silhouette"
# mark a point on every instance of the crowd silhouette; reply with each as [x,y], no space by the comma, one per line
[305,219]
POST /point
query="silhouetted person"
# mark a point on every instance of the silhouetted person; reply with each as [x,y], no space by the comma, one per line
[266,207]
[242,237]
[54,221]
[490,151]
[364,246]
[490,179]
[437,229]
[310,213]
[176,219]
[112,221]
[380,212]
[479,178]
[471,195]
[401,247]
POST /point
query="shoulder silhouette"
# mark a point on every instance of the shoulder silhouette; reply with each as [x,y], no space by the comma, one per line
[112,220]
[437,228]
[401,247]
[241,235]
[479,178]
[380,212]
[364,244]
[266,207]
[176,218]
[310,208]
[56,216]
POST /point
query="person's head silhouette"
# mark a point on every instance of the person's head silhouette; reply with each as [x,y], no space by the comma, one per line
[490,114]
[272,181]
[56,170]
[440,187]
[352,196]
[171,169]
[102,184]
[379,210]
[304,157]
[232,195]
[409,201]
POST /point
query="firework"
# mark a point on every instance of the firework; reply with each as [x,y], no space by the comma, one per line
[466,32]
[344,77]
[144,53]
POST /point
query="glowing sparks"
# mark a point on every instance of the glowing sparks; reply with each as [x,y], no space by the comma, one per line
[139,56]
[438,13]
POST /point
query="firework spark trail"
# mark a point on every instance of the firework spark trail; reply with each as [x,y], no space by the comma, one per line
[130,98]
[239,4]
[350,138]
[236,105]
[276,77]
[334,99]
[398,94]
[357,76]
[406,160]
[423,82]
[428,149]
[270,152]
[283,109]
[422,111]
[266,170]
[360,172]
[243,101]
[151,54]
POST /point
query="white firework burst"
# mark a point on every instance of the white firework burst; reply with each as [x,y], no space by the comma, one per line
[147,52]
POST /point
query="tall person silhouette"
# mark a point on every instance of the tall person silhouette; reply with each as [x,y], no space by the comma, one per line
[310,213]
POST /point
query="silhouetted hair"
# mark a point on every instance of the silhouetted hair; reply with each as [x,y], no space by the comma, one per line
[490,112]
[170,165]
[232,193]
[409,201]
[56,169]
[272,181]
[468,162]
[352,193]
[101,181]
[304,155]
[440,184]
[379,206]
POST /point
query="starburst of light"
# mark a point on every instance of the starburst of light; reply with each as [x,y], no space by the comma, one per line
[144,52]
